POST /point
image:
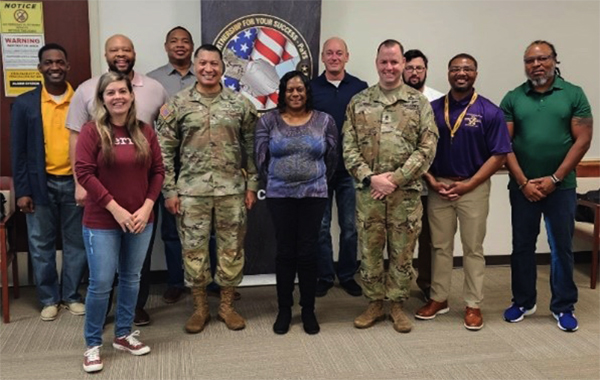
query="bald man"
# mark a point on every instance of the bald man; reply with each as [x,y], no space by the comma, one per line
[150,95]
[332,92]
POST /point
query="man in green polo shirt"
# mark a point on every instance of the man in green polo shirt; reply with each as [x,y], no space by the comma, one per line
[550,121]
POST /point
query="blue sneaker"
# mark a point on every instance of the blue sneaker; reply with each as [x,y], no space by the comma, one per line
[566,321]
[516,313]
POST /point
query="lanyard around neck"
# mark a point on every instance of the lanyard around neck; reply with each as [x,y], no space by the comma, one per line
[458,121]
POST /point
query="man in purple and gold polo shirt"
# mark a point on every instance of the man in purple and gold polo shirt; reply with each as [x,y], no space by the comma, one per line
[473,145]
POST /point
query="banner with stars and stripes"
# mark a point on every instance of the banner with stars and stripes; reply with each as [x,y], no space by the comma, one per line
[261,41]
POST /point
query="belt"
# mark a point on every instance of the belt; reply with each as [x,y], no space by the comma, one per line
[456,179]
[59,177]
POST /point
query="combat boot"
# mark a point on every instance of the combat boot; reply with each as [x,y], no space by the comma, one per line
[201,316]
[372,315]
[401,322]
[227,313]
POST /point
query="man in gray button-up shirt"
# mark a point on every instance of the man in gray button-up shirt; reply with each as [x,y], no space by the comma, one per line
[174,76]
[178,73]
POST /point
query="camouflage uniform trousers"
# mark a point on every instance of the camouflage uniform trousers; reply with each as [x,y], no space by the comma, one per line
[198,214]
[397,220]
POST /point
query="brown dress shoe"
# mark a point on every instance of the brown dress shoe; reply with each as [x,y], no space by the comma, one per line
[473,319]
[431,309]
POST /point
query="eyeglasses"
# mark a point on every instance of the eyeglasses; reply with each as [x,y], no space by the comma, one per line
[418,69]
[540,58]
[466,69]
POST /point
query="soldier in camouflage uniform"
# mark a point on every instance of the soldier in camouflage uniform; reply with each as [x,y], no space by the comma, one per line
[212,129]
[389,141]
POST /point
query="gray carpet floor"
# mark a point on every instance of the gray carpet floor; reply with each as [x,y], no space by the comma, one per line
[439,349]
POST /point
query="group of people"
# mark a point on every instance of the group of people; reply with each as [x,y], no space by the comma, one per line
[403,162]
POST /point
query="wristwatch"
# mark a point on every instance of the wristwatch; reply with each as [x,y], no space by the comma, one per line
[367,180]
[555,180]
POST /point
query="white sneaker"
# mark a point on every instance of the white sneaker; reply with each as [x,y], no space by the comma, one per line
[76,308]
[49,313]
[91,360]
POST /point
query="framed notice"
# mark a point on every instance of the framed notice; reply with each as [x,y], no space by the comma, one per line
[20,60]
[21,17]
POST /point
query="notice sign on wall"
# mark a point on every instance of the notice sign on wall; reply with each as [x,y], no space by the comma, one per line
[21,17]
[21,24]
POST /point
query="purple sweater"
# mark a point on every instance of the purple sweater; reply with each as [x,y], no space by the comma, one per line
[296,161]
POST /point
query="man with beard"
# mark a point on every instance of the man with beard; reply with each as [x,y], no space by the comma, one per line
[550,121]
[389,142]
[332,92]
[415,75]
[44,184]
[473,145]
[150,95]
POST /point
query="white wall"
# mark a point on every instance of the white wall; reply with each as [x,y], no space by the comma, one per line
[495,32]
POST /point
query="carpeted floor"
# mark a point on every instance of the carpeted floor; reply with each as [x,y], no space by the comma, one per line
[439,349]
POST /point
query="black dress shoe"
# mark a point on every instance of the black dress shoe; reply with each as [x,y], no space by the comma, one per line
[172,294]
[282,323]
[323,287]
[351,287]
[141,318]
[309,320]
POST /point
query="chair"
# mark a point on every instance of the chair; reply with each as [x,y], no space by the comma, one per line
[8,251]
[589,231]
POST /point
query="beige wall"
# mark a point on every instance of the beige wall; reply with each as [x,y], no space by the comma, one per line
[495,32]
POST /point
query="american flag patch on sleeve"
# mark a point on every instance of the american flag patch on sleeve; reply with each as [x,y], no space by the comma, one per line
[165,111]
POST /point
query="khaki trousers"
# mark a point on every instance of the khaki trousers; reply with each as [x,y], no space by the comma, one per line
[470,211]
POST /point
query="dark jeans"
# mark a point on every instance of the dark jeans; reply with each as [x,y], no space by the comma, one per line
[424,257]
[297,223]
[170,238]
[558,209]
[342,187]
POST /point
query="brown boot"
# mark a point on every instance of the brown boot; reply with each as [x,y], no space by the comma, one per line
[372,315]
[227,313]
[201,316]
[401,322]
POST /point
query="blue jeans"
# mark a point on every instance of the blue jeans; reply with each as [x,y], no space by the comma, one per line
[558,209]
[109,251]
[43,229]
[342,187]
[170,238]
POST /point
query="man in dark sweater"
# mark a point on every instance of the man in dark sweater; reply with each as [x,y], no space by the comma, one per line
[332,92]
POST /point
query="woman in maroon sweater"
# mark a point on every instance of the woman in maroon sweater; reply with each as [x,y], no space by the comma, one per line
[119,164]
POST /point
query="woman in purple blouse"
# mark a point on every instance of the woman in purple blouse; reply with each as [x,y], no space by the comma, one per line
[295,151]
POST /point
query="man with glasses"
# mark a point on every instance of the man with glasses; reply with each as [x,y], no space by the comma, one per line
[332,91]
[550,121]
[473,145]
[415,75]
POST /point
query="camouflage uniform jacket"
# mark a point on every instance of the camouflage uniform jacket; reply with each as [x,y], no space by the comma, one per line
[393,132]
[214,141]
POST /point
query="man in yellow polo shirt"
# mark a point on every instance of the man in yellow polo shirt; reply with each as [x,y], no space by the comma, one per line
[44,185]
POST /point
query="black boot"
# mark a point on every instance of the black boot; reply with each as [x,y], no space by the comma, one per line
[282,323]
[309,319]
